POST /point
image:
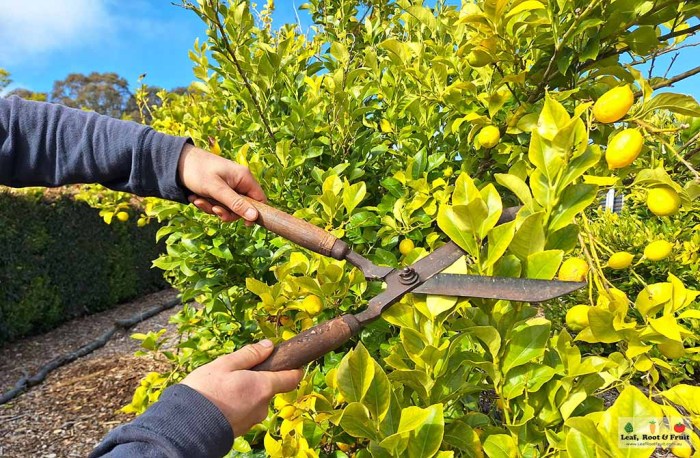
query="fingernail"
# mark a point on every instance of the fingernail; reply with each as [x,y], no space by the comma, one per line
[267,343]
[250,214]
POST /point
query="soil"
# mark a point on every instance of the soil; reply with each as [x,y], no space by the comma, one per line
[79,403]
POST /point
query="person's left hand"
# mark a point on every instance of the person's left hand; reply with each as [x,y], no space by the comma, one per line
[242,395]
[217,184]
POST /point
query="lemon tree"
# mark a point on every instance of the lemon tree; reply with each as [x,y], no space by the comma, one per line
[403,121]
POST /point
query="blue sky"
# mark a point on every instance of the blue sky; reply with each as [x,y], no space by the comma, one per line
[45,40]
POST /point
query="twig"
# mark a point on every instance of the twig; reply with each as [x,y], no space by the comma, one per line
[673,61]
[677,78]
[241,73]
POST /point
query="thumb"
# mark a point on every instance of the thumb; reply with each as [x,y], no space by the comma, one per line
[248,356]
[235,202]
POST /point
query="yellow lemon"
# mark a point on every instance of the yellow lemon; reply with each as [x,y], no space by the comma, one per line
[623,148]
[122,216]
[406,246]
[682,451]
[288,412]
[613,105]
[577,317]
[141,222]
[489,136]
[479,57]
[280,403]
[663,201]
[658,250]
[448,172]
[620,260]
[573,269]
[312,304]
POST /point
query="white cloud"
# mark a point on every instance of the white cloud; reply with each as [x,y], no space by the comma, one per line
[30,28]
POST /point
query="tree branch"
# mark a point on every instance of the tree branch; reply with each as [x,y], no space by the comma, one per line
[241,73]
[677,78]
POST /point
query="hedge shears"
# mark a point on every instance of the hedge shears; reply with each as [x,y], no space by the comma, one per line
[423,277]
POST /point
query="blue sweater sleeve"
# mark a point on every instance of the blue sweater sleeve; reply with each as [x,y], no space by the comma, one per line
[43,144]
[183,423]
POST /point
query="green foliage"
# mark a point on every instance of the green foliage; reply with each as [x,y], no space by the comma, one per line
[367,127]
[58,260]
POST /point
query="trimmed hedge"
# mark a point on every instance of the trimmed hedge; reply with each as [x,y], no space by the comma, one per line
[59,260]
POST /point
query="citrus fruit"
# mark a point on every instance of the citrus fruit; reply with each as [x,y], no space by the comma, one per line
[573,269]
[406,246]
[577,317]
[623,148]
[489,136]
[288,412]
[280,402]
[663,201]
[613,105]
[479,58]
[620,260]
[448,172]
[141,222]
[682,451]
[671,349]
[122,216]
[658,250]
[312,304]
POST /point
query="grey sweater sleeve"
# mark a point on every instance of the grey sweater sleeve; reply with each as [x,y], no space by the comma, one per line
[183,423]
[43,144]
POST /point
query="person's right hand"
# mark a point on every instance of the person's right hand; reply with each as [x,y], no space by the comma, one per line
[242,395]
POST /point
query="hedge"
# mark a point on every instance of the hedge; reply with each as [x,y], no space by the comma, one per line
[59,260]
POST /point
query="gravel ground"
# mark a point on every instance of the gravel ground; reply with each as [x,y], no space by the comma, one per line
[78,403]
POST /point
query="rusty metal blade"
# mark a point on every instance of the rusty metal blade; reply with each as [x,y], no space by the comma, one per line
[512,289]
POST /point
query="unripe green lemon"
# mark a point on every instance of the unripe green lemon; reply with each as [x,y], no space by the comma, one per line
[479,58]
[613,105]
[573,269]
[620,260]
[577,317]
[489,136]
[658,250]
[663,201]
[623,148]
[122,216]
[671,349]
[406,246]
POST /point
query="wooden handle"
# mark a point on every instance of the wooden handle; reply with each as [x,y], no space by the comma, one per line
[299,231]
[311,344]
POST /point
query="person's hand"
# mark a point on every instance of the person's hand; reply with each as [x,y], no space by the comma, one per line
[217,184]
[242,396]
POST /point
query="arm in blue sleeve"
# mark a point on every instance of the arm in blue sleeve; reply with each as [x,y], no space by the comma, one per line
[183,423]
[43,144]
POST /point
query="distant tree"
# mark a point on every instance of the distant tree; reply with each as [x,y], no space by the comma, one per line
[104,93]
[148,98]
[29,95]
[4,79]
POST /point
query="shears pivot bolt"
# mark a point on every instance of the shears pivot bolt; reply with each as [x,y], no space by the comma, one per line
[408,276]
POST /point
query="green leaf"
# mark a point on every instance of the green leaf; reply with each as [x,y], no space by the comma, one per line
[499,239]
[353,195]
[426,438]
[543,265]
[529,238]
[579,445]
[573,201]
[465,190]
[439,304]
[516,186]
[564,239]
[355,373]
[667,326]
[684,395]
[553,118]
[527,342]
[500,446]
[356,421]
[489,336]
[601,325]
[457,223]
[642,40]
[378,394]
[677,103]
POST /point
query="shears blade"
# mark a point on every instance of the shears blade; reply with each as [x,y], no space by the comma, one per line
[506,288]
